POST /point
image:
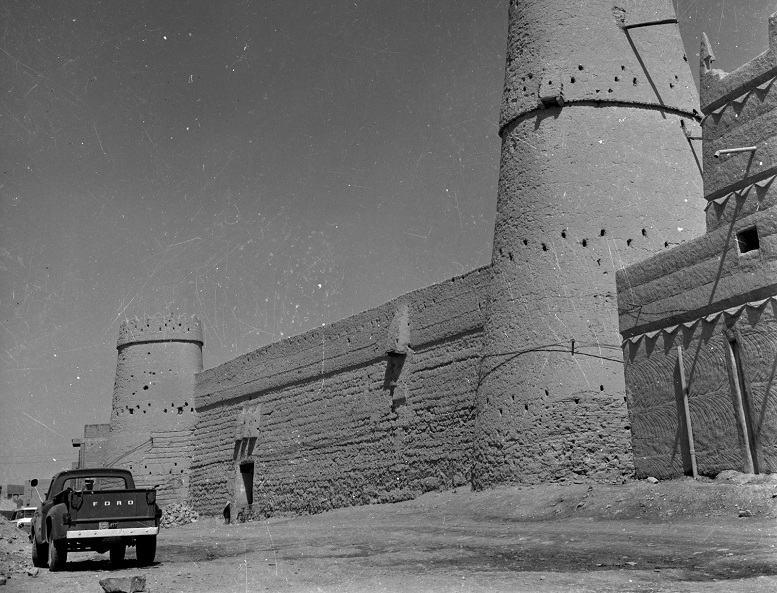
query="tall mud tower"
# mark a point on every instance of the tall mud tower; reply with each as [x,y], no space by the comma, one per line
[599,170]
[153,415]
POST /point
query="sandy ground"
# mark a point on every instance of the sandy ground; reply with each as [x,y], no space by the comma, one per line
[678,536]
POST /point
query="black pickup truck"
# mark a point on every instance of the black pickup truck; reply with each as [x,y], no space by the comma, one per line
[94,509]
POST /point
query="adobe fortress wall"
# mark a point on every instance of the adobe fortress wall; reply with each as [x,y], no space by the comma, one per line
[377,407]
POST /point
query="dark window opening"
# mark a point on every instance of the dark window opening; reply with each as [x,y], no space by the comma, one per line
[747,240]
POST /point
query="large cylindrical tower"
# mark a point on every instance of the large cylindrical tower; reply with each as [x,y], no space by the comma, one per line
[153,415]
[598,170]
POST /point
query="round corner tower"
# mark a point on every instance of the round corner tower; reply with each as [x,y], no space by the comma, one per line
[153,415]
[598,171]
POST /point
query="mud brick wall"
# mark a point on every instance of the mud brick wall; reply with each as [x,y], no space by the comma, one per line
[378,407]
[166,465]
[700,277]
[655,397]
[701,295]
[92,447]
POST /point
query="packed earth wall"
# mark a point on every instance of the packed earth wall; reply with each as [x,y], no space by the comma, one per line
[378,407]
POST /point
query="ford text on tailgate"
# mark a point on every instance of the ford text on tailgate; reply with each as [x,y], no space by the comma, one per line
[95,509]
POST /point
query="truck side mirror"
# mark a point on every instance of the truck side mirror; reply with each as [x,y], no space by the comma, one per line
[33,482]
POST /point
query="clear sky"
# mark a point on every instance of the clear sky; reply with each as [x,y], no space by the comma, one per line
[267,166]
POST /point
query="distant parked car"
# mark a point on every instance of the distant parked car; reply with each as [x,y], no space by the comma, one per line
[23,518]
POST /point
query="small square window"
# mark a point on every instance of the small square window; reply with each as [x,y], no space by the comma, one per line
[747,240]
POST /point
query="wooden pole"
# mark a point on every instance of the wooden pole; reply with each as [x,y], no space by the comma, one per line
[740,408]
[687,410]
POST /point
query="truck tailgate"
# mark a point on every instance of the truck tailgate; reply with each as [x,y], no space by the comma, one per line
[111,509]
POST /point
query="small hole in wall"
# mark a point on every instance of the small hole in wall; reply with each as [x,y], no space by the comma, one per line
[500,411]
[526,407]
[624,399]
[148,353]
[546,392]
[510,255]
[666,243]
[544,247]
[563,234]
[617,79]
[580,67]
[634,81]
[644,233]
[671,85]
[180,411]
[602,233]
[577,400]
[165,410]
[599,262]
[149,404]
[627,427]
[191,409]
[609,90]
[572,80]
[525,242]
[584,242]
[623,67]
[628,241]
[601,387]
[145,387]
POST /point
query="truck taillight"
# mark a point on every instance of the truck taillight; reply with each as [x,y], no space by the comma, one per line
[150,496]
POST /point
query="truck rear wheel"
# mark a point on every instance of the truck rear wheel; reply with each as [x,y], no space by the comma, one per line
[40,552]
[57,554]
[145,550]
[117,552]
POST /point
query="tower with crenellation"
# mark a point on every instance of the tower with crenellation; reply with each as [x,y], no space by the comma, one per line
[153,414]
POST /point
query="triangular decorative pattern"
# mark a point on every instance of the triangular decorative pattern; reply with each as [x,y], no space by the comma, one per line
[711,318]
[764,183]
[741,99]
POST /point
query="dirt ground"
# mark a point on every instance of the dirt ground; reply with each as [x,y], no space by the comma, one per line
[681,535]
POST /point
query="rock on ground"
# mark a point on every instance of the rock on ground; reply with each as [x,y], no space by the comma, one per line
[123,584]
